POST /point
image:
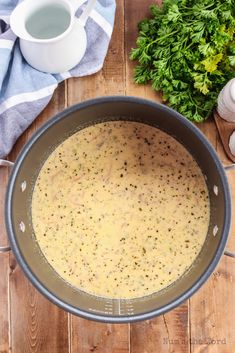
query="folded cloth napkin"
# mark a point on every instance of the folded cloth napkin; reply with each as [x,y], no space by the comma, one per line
[24,91]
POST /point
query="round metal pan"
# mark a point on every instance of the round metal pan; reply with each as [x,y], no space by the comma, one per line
[21,186]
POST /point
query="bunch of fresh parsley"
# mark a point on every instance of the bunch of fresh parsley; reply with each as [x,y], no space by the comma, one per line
[187,50]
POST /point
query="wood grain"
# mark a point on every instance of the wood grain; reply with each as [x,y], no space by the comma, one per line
[171,331]
[135,11]
[4,304]
[212,308]
[166,333]
[212,312]
[4,260]
[87,336]
[29,323]
[36,324]
[111,79]
[96,337]
[225,130]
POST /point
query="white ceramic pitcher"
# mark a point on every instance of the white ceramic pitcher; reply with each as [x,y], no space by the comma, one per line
[52,39]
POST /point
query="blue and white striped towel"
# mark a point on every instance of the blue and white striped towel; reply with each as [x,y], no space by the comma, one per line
[24,91]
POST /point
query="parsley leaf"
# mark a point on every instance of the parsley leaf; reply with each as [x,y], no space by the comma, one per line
[186,49]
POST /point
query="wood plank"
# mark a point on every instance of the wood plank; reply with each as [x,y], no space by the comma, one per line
[166,333]
[225,130]
[4,172]
[231,180]
[87,336]
[39,326]
[36,324]
[212,310]
[110,80]
[57,103]
[169,332]
[4,304]
[208,128]
[135,11]
[4,261]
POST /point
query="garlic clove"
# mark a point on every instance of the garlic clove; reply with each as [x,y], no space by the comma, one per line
[226,102]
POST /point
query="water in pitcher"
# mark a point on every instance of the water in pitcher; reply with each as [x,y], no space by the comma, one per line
[48,22]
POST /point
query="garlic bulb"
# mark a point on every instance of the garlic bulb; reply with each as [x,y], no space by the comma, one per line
[232,143]
[226,102]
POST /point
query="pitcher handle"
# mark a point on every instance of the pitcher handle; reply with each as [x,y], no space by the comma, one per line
[228,252]
[5,163]
[86,12]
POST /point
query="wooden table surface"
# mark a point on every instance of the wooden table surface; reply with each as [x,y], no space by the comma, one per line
[30,323]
